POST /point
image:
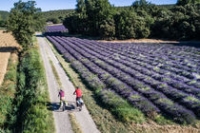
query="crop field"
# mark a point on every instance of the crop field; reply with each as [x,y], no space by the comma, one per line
[155,78]
[7,43]
[55,29]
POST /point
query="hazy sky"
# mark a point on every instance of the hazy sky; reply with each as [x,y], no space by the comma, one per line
[47,5]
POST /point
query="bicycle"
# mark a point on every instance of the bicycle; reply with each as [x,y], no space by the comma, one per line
[79,103]
[63,105]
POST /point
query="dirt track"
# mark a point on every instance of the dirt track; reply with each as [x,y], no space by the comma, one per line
[61,119]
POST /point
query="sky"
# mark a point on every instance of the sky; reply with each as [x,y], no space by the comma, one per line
[47,5]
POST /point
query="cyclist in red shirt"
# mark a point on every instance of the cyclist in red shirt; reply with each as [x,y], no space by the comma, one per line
[78,94]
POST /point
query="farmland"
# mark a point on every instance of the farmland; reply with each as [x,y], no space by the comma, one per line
[154,78]
[7,43]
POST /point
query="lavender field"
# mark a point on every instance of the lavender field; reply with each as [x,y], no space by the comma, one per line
[55,29]
[154,78]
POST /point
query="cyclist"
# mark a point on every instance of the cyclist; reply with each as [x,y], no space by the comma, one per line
[79,95]
[61,94]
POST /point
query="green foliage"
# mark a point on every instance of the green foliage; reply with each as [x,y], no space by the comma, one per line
[56,16]
[107,29]
[53,20]
[76,25]
[3,18]
[81,9]
[30,103]
[141,20]
[185,2]
[132,25]
[90,16]
[24,20]
[97,11]
[182,23]
[34,121]
[142,4]
[7,94]
[121,108]
[125,21]
[162,120]
[4,15]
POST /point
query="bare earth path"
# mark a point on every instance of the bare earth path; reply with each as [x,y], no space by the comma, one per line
[62,122]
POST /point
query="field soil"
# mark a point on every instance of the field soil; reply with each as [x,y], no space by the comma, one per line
[7,45]
[140,41]
[62,119]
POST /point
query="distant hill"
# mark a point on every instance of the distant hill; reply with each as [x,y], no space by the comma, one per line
[56,16]
[4,15]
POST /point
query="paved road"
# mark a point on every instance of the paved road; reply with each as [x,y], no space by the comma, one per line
[62,122]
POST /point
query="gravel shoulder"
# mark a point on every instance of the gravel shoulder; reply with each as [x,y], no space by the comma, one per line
[61,119]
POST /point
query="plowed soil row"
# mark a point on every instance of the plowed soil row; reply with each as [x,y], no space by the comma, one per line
[7,42]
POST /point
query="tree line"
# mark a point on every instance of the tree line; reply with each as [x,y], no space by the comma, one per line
[140,20]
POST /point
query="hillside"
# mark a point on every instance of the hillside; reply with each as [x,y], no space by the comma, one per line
[56,16]
[4,15]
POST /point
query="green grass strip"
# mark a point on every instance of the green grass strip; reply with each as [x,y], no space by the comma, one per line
[32,97]
[7,93]
[55,74]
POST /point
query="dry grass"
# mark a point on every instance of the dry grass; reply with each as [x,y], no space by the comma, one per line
[75,126]
[155,128]
[7,43]
[3,64]
[140,41]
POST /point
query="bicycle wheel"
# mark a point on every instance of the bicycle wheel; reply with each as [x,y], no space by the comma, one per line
[64,104]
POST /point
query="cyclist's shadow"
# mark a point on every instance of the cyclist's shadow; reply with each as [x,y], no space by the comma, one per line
[55,106]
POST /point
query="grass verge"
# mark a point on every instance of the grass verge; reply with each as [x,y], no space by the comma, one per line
[55,73]
[30,110]
[75,126]
[7,92]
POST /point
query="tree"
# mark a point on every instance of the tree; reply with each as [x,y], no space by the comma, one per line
[107,29]
[142,4]
[1,21]
[24,20]
[53,20]
[126,23]
[97,11]
[185,2]
[81,9]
